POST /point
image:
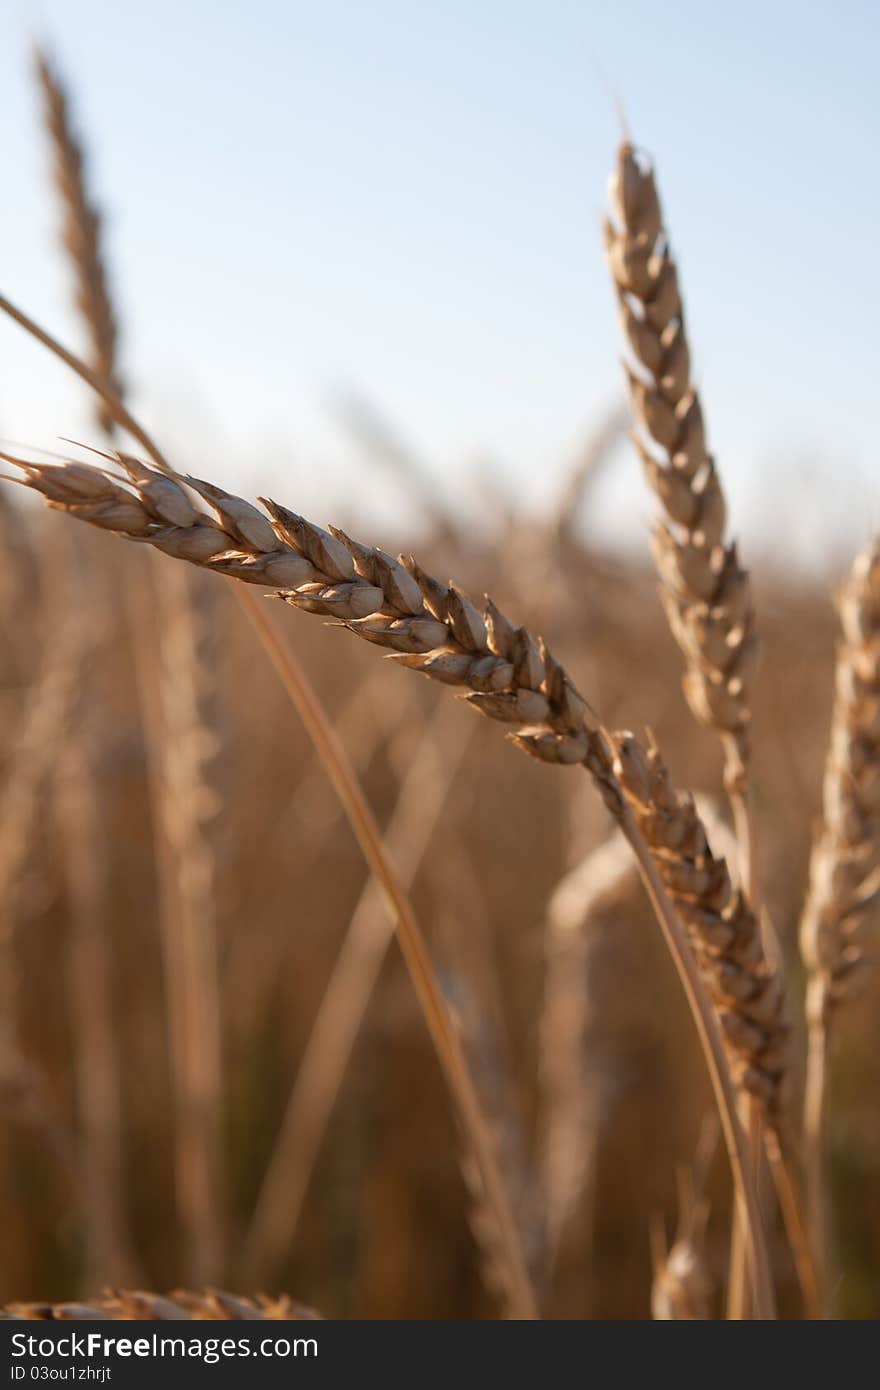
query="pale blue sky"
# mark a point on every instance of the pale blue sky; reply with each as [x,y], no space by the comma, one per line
[406,198]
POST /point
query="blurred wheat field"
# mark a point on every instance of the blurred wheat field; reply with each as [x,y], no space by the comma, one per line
[383,1231]
[214,1067]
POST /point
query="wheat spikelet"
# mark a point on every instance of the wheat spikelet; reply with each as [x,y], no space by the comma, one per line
[179,1306]
[81,233]
[747,990]
[845,864]
[706,593]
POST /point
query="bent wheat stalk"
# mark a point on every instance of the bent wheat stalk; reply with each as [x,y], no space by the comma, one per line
[845,863]
[428,626]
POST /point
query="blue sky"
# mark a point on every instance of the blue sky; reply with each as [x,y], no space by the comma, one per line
[406,200]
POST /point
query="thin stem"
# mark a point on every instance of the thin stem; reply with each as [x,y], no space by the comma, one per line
[738,1301]
[716,1061]
[789,1193]
[343,1005]
[415,952]
[97,383]
[815,1139]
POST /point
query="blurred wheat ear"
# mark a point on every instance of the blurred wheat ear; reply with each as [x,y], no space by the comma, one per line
[179,1306]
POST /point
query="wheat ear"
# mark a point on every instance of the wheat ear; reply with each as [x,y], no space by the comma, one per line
[845,863]
[180,1306]
[81,232]
[705,590]
[505,673]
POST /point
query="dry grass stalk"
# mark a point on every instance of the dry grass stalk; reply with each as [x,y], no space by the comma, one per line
[381,443]
[183,748]
[179,1306]
[38,744]
[81,232]
[573,1010]
[430,627]
[80,812]
[423,794]
[572,1089]
[845,863]
[495,1086]
[682,1289]
[594,454]
[368,726]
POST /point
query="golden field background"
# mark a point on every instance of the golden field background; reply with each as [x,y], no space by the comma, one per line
[384,1227]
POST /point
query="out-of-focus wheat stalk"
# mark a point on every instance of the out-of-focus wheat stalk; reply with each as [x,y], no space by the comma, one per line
[367,726]
[180,1306]
[183,801]
[497,1093]
[38,744]
[381,444]
[571,1088]
[682,1288]
[428,626]
[81,815]
[81,231]
[845,863]
[422,796]
[184,745]
[594,454]
[576,931]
